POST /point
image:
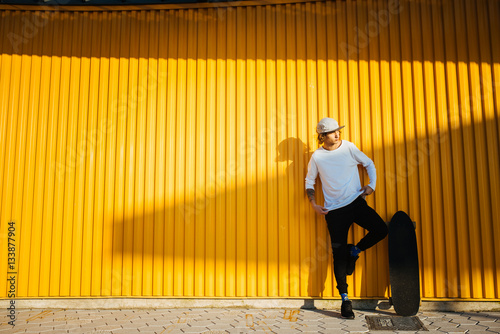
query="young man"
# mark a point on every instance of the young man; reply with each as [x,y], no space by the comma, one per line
[337,162]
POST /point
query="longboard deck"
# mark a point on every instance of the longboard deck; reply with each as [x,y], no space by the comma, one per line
[403,265]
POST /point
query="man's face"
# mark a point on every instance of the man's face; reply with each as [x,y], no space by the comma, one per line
[332,138]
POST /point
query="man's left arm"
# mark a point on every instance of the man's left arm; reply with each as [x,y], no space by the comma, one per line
[368,164]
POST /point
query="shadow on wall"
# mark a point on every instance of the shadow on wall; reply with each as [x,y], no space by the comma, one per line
[277,246]
[298,154]
[256,240]
[237,242]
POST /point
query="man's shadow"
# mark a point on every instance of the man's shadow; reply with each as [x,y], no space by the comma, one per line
[317,266]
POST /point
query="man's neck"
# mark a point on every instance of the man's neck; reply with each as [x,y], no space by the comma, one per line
[333,146]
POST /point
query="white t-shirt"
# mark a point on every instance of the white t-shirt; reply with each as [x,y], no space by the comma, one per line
[339,174]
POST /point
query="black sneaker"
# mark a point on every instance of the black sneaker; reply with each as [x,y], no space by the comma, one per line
[351,261]
[346,310]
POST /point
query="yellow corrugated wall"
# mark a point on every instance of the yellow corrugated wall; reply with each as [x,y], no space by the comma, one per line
[162,152]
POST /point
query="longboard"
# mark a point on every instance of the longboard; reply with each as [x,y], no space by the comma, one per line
[403,265]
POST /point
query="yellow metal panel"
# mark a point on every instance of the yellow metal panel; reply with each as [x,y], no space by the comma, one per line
[80,219]
[479,231]
[130,116]
[191,148]
[245,281]
[90,154]
[102,128]
[249,150]
[261,126]
[159,198]
[370,265]
[424,228]
[462,280]
[20,160]
[230,120]
[38,277]
[212,178]
[67,149]
[492,148]
[353,110]
[5,62]
[307,81]
[163,152]
[71,269]
[181,163]
[281,135]
[220,156]
[102,235]
[445,206]
[378,154]
[397,105]
[9,81]
[119,216]
[272,155]
[170,149]
[407,167]
[199,207]
[298,91]
[385,126]
[434,150]
[468,147]
[60,159]
[53,111]
[20,145]
[494,11]
[150,154]
[310,72]
[140,214]
[28,199]
[109,284]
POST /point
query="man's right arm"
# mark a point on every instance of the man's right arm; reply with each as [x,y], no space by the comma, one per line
[312,173]
[311,194]
[318,208]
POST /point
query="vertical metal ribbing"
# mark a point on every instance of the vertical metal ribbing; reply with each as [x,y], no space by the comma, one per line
[163,152]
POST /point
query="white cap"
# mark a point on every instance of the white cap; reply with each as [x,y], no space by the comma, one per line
[328,125]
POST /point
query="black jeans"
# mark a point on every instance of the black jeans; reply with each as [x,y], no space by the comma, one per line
[339,221]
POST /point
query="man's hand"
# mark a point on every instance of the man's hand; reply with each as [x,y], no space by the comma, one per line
[319,209]
[367,190]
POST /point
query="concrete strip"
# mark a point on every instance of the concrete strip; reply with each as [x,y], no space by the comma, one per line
[171,303]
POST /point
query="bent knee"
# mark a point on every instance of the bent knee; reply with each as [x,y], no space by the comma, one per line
[338,248]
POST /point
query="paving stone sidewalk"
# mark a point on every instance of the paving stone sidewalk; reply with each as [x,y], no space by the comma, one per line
[231,321]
